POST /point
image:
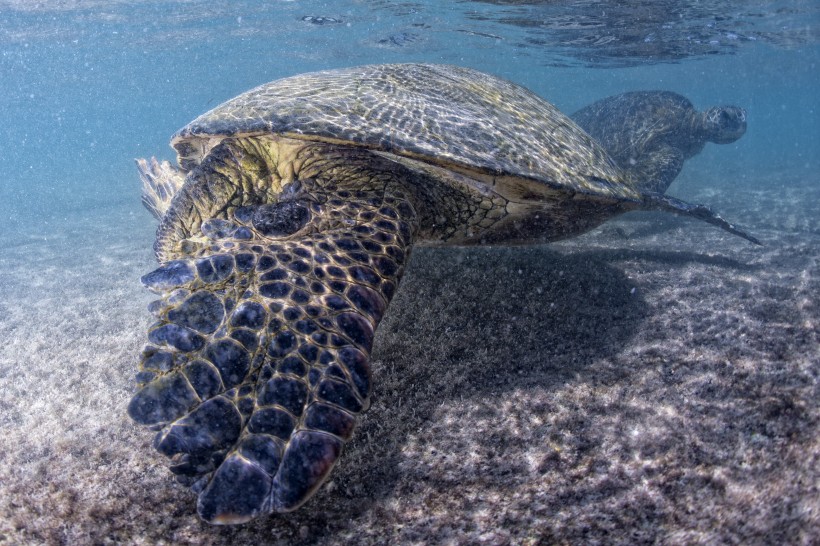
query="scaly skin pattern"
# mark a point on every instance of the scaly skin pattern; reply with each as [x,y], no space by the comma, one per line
[275,273]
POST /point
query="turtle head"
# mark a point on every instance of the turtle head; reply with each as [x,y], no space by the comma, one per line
[724,124]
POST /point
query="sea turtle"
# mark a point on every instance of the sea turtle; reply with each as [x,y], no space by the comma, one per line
[651,133]
[284,233]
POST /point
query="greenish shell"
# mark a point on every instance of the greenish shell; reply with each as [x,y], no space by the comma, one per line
[446,115]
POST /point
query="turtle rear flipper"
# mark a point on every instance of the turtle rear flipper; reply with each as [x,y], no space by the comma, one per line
[656,201]
[259,363]
[160,182]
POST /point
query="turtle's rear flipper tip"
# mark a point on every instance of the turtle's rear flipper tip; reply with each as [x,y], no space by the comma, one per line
[731,228]
[656,201]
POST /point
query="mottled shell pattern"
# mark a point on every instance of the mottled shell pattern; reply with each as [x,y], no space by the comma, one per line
[446,115]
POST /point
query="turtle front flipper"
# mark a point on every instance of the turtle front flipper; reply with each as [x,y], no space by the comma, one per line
[656,170]
[259,362]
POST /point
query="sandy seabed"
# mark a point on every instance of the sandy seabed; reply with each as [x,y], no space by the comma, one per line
[652,382]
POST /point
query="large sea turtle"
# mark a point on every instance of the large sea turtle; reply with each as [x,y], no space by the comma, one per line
[651,133]
[283,235]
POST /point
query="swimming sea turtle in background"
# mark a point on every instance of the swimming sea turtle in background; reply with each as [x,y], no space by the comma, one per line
[651,133]
[321,20]
[284,233]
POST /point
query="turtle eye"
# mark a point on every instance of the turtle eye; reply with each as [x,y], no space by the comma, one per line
[726,121]
[280,219]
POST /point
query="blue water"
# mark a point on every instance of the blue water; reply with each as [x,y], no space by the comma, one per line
[86,86]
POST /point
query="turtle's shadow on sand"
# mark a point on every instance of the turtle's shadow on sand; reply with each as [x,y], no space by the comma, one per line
[486,324]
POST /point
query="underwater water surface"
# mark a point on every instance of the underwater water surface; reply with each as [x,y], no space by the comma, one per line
[653,382]
[89,85]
